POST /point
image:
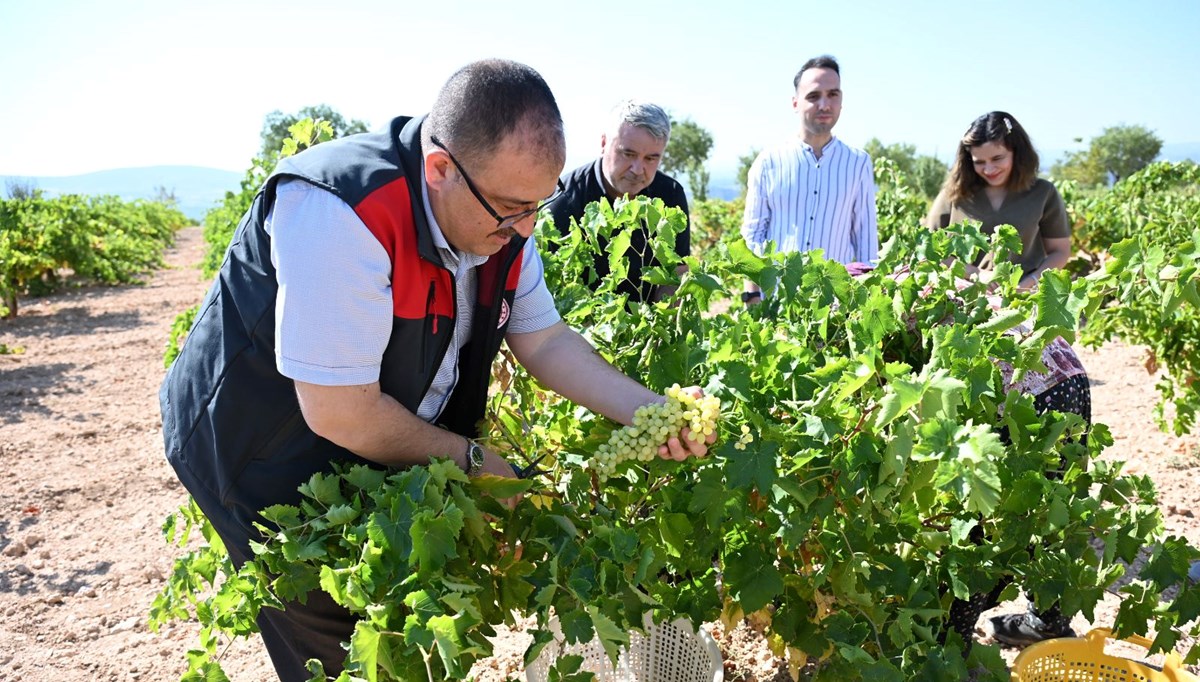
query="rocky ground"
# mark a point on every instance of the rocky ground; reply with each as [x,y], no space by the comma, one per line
[84,487]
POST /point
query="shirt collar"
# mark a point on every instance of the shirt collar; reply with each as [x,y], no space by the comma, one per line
[829,146]
[598,171]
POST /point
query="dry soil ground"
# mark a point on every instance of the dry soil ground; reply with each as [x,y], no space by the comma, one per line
[84,487]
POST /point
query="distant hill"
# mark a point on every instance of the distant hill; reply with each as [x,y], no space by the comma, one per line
[722,184]
[198,189]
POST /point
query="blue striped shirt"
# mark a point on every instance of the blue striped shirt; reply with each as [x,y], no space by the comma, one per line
[803,203]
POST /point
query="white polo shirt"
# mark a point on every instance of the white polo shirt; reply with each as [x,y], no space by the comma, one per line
[333,312]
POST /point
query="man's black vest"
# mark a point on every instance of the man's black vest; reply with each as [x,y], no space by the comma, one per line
[232,422]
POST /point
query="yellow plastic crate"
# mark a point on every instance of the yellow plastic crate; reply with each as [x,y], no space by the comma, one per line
[1082,659]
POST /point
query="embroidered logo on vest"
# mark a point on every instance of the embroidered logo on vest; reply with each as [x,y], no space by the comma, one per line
[503,313]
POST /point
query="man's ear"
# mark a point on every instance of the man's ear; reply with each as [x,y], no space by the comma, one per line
[437,169]
[603,141]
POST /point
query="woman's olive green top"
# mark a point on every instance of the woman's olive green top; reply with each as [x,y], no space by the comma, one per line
[1037,213]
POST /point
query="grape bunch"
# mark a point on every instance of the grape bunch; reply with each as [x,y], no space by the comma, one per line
[653,424]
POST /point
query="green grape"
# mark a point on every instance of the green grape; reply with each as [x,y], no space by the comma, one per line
[653,425]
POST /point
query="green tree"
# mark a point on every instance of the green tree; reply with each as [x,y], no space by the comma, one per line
[276,124]
[903,155]
[923,173]
[1116,153]
[1125,149]
[1082,167]
[686,153]
[928,175]
[743,174]
[22,188]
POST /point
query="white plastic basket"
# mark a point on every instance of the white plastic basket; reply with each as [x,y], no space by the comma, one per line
[669,652]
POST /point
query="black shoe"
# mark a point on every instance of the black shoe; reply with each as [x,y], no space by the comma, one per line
[1022,629]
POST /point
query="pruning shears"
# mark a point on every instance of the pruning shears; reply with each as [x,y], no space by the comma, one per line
[532,469]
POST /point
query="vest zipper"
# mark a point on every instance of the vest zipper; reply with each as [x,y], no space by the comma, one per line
[429,304]
[430,352]
[432,331]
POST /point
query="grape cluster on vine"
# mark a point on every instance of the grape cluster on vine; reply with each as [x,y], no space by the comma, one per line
[653,424]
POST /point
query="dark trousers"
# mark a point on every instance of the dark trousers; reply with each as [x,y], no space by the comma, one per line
[964,614]
[315,629]
[1073,395]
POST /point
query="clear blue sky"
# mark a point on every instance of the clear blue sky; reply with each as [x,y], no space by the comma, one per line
[89,85]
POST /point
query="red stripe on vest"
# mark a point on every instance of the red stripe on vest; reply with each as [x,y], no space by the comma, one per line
[387,213]
[514,274]
[488,275]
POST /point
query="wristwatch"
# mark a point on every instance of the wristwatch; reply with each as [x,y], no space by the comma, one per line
[474,458]
[747,296]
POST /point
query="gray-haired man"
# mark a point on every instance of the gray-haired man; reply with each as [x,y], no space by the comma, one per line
[630,153]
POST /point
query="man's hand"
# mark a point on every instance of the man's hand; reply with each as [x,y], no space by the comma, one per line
[858,268]
[681,447]
[496,465]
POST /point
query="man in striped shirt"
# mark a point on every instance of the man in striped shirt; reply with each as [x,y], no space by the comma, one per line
[814,192]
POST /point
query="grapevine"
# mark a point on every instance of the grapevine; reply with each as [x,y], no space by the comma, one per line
[1157,209]
[97,239]
[856,488]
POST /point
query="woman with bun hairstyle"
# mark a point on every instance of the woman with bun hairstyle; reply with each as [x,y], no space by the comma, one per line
[994,181]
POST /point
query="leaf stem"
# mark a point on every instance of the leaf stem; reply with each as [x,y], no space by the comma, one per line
[637,507]
[425,655]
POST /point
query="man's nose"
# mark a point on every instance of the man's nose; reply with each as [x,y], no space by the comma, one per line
[524,226]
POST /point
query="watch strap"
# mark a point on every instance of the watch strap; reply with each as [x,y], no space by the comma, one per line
[474,458]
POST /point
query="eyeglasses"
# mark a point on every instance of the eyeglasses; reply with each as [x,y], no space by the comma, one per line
[502,221]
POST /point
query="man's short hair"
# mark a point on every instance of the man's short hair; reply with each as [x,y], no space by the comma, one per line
[644,115]
[823,62]
[487,100]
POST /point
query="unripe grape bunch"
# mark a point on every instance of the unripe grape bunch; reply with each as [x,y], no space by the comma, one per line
[653,424]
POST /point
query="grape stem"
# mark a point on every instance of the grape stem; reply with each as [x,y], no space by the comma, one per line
[637,508]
